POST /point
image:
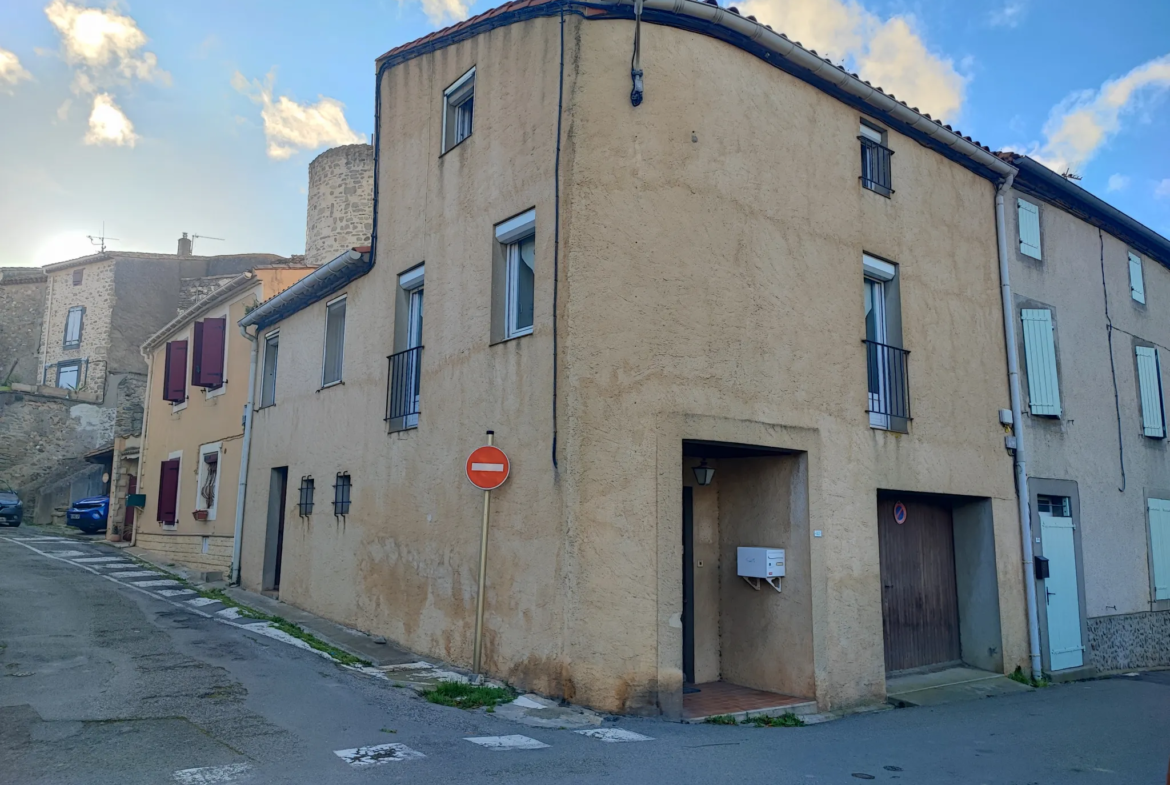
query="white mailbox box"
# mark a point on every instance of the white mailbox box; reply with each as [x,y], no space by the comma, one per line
[760,562]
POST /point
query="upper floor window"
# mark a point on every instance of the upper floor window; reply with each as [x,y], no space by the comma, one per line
[517,243]
[78,274]
[271,353]
[458,110]
[888,381]
[73,327]
[1029,228]
[875,160]
[69,375]
[1040,359]
[334,341]
[1137,282]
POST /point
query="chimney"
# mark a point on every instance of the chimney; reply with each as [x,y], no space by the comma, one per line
[184,245]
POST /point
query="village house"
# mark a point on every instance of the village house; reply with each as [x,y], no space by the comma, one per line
[192,447]
[690,334]
[1091,289]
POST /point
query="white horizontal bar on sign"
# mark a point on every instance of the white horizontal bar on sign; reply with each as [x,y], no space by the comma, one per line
[487,467]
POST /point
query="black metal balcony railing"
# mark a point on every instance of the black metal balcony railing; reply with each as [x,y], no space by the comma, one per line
[875,167]
[402,388]
[889,381]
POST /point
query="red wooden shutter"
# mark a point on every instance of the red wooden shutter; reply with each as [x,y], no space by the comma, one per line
[175,376]
[212,350]
[197,357]
[168,491]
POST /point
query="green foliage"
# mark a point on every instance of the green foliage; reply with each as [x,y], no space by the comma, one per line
[468,696]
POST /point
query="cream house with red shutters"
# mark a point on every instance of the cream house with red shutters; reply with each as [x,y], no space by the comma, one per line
[198,384]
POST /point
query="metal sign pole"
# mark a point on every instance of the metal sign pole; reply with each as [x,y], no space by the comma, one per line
[483,541]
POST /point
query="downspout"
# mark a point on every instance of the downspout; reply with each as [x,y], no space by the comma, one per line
[246,450]
[1020,452]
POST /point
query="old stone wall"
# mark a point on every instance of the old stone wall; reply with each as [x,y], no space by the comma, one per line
[22,307]
[341,202]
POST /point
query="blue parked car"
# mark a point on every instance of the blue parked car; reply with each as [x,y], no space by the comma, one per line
[89,515]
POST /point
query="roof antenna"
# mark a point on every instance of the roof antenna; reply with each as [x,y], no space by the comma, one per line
[100,240]
[195,237]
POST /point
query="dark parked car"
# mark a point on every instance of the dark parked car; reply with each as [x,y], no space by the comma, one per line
[11,510]
[90,514]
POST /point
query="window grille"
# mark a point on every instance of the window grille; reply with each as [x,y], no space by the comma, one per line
[341,494]
[306,498]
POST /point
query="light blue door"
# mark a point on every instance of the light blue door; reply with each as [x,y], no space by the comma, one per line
[1065,648]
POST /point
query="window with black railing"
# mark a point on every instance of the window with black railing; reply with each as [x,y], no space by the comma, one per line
[889,386]
[402,389]
[875,166]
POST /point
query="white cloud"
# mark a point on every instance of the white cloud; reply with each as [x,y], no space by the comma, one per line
[1010,15]
[1117,182]
[889,53]
[446,11]
[290,126]
[12,72]
[1162,189]
[108,125]
[1085,120]
[103,45]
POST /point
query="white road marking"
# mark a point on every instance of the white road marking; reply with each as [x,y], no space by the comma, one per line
[99,559]
[613,734]
[175,592]
[68,554]
[199,602]
[361,757]
[138,574]
[507,742]
[212,775]
[153,584]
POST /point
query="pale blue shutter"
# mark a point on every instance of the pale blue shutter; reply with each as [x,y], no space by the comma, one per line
[1150,384]
[1137,284]
[1040,355]
[1029,228]
[1160,547]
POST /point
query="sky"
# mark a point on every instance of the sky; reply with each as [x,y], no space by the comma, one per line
[152,118]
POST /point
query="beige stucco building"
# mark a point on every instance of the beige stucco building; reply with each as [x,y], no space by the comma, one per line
[1091,289]
[805,298]
[192,445]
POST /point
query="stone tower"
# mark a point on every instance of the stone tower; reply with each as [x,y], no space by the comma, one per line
[341,202]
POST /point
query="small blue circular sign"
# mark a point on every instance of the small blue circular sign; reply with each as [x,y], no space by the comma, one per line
[899,513]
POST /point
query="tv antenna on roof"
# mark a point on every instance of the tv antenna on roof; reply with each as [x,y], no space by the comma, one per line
[100,240]
[195,237]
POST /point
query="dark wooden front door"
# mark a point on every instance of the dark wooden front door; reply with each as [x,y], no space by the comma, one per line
[920,606]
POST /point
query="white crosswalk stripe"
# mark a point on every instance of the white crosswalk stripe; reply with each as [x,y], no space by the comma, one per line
[514,742]
[362,757]
[613,735]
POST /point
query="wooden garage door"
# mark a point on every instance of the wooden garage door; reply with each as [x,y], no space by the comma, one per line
[920,607]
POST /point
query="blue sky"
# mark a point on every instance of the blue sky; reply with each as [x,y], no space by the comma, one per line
[185,84]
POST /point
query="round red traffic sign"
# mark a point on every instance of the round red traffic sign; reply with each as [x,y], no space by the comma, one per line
[487,467]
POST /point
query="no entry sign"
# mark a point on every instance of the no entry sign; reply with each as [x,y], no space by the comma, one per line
[487,467]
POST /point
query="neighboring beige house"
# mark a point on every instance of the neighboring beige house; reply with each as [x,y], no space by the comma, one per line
[1092,292]
[190,467]
[767,268]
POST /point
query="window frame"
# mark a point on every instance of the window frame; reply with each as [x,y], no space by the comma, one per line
[267,389]
[342,300]
[510,235]
[76,343]
[342,494]
[74,365]
[455,97]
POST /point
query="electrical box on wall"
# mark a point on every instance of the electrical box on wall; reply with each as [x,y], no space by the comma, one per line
[760,562]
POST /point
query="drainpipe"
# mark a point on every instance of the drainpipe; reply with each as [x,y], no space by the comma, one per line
[1013,358]
[245,452]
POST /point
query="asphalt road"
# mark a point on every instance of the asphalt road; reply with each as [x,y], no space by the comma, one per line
[104,683]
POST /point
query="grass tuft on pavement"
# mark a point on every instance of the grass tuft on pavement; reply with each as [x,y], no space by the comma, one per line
[468,696]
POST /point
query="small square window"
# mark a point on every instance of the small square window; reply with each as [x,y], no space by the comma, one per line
[306,498]
[77,276]
[458,110]
[341,494]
